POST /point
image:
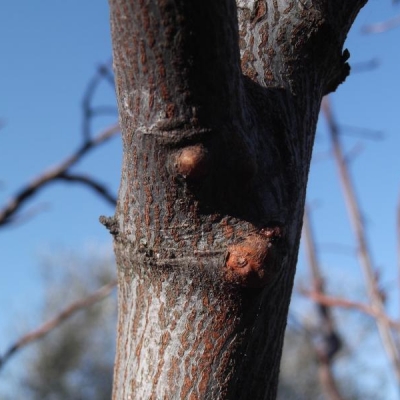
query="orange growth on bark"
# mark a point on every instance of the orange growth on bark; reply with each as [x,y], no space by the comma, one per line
[252,262]
[192,162]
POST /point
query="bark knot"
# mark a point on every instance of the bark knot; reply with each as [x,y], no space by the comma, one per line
[253,261]
[192,162]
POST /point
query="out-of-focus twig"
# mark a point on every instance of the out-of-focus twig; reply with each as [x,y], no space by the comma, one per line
[381,27]
[331,342]
[364,254]
[62,171]
[24,216]
[361,132]
[333,301]
[103,73]
[365,66]
[88,181]
[56,172]
[48,326]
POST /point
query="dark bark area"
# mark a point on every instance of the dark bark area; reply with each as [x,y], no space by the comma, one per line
[218,120]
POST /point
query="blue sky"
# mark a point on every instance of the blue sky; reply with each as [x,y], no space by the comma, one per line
[50,50]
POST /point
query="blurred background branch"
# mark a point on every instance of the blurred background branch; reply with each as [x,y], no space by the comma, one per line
[62,171]
[48,326]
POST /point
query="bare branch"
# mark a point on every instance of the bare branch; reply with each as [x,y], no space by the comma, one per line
[333,301]
[103,72]
[16,202]
[354,152]
[104,110]
[361,132]
[106,71]
[331,341]
[24,216]
[48,326]
[96,186]
[257,28]
[364,253]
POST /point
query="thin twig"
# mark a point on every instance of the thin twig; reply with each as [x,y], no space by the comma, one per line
[333,301]
[102,73]
[354,152]
[104,110]
[48,326]
[106,71]
[361,132]
[88,181]
[24,216]
[15,203]
[365,66]
[364,253]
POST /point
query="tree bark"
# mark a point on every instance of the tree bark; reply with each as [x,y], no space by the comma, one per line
[218,106]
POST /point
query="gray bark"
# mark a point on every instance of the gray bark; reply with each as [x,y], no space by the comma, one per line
[218,107]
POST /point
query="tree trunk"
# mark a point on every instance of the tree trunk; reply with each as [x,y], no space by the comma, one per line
[218,106]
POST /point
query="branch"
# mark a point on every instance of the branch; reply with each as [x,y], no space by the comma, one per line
[102,73]
[96,186]
[103,110]
[48,326]
[24,216]
[361,132]
[364,253]
[311,25]
[331,341]
[332,301]
[185,56]
[16,202]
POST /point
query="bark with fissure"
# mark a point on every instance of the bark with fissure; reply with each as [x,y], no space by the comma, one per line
[218,105]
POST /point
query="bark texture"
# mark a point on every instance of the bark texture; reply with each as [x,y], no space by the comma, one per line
[218,106]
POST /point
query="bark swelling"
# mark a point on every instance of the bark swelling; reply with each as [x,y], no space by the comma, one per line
[218,121]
